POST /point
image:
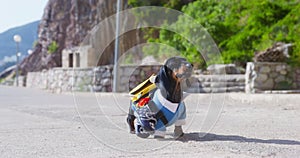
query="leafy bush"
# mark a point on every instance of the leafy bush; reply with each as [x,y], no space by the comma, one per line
[52,48]
[239,28]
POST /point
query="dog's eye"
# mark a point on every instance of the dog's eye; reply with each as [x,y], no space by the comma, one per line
[189,65]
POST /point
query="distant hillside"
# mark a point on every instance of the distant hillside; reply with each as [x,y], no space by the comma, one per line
[28,33]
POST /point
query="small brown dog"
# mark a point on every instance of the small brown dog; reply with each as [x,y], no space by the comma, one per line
[164,106]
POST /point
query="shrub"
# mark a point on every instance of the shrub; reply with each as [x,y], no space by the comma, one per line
[52,48]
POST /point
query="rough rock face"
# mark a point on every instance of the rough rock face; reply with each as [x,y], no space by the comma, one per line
[277,53]
[66,23]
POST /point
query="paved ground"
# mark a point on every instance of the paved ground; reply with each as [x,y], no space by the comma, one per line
[36,123]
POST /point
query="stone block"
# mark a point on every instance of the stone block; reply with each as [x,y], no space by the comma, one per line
[81,74]
[294,85]
[281,67]
[201,78]
[261,78]
[135,72]
[106,82]
[121,88]
[57,90]
[269,84]
[218,84]
[205,84]
[283,72]
[223,69]
[99,69]
[265,69]
[206,90]
[240,79]
[219,90]
[132,85]
[236,89]
[97,88]
[109,89]
[146,68]
[71,81]
[280,78]
[124,80]
[156,68]
[132,78]
[217,78]
[106,74]
[274,74]
[193,90]
[147,73]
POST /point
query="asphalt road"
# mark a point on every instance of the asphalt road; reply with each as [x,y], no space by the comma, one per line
[35,123]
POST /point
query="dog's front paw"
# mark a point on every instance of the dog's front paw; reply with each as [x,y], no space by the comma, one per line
[159,134]
[178,132]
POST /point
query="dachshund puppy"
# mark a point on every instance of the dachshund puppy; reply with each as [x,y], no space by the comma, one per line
[164,105]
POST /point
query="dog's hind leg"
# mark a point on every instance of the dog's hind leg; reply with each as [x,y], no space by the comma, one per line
[130,121]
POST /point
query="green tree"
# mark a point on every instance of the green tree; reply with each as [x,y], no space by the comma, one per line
[254,22]
[238,27]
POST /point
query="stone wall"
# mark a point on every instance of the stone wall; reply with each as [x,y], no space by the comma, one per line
[131,76]
[270,76]
[97,79]
[100,79]
[218,83]
[259,77]
[37,79]
[78,79]
[59,80]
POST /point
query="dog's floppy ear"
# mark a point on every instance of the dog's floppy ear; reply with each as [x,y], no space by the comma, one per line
[161,75]
[164,75]
[171,63]
[168,71]
[162,80]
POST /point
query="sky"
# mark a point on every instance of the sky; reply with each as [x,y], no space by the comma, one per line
[15,13]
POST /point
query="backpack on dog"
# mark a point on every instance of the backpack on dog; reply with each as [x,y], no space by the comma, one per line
[145,117]
[146,112]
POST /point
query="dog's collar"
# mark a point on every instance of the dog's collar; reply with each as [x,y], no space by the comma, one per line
[165,103]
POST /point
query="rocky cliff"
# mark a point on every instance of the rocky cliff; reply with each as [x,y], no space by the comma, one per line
[64,24]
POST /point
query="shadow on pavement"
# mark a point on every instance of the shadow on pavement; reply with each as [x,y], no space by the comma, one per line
[215,137]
